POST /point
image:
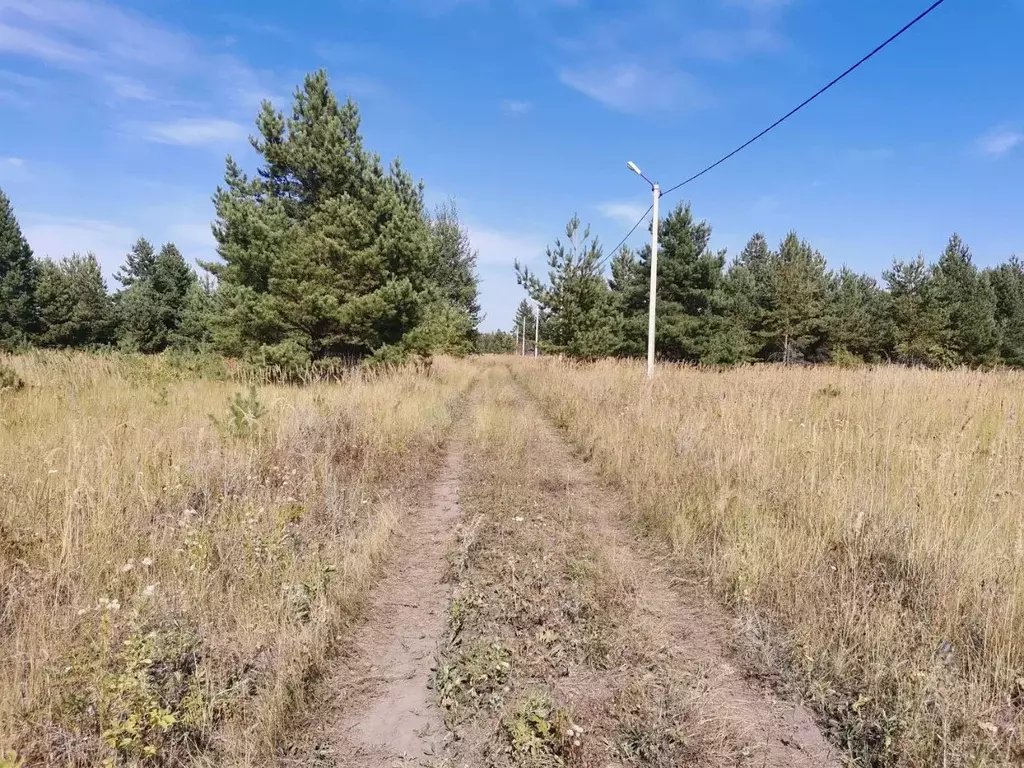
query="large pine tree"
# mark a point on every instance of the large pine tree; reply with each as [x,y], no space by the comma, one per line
[455,259]
[971,330]
[916,316]
[691,302]
[791,293]
[18,275]
[855,310]
[324,254]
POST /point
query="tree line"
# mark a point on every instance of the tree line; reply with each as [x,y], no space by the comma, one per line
[324,255]
[779,304]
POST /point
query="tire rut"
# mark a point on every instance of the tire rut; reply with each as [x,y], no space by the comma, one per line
[378,710]
[688,625]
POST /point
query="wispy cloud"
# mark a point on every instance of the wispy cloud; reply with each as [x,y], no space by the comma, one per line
[516,107]
[58,236]
[129,88]
[128,58]
[733,44]
[626,214]
[12,162]
[1000,141]
[637,89]
[602,59]
[497,247]
[191,132]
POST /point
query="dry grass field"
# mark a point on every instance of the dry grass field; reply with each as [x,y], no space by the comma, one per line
[867,525]
[182,556]
[178,555]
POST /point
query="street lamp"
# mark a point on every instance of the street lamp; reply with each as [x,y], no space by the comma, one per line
[654,267]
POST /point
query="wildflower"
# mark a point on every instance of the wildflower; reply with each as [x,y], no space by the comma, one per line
[147,561]
[149,591]
[128,566]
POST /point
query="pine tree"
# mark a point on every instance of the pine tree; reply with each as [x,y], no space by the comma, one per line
[791,294]
[495,343]
[192,333]
[18,275]
[855,313]
[971,331]
[745,289]
[630,294]
[691,302]
[75,309]
[1007,283]
[138,263]
[916,318]
[454,269]
[578,308]
[324,254]
[152,306]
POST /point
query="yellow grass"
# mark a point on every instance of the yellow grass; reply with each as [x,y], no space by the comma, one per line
[169,582]
[868,525]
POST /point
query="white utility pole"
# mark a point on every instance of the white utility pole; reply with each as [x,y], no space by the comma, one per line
[536,333]
[522,324]
[654,268]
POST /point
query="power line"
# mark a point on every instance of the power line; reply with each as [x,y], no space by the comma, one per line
[905,28]
[792,112]
[629,234]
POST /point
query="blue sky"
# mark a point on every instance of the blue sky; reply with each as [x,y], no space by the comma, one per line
[115,117]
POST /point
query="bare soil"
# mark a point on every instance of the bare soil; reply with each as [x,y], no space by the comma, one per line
[572,643]
[378,711]
[692,630]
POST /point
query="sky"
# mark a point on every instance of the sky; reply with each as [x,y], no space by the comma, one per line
[116,117]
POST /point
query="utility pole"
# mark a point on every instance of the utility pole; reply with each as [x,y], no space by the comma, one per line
[654,284]
[536,333]
[652,314]
[522,324]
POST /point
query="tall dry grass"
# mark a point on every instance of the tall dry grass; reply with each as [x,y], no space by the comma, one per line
[178,556]
[867,524]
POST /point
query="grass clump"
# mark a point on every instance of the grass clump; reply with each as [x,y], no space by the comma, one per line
[10,381]
[541,734]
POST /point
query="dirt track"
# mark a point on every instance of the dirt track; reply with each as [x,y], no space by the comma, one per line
[645,653]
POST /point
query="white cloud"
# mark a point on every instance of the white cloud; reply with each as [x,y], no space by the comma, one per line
[504,248]
[129,88]
[58,237]
[1000,141]
[128,56]
[13,169]
[191,132]
[498,251]
[516,107]
[23,41]
[626,214]
[635,88]
[604,61]
[733,44]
